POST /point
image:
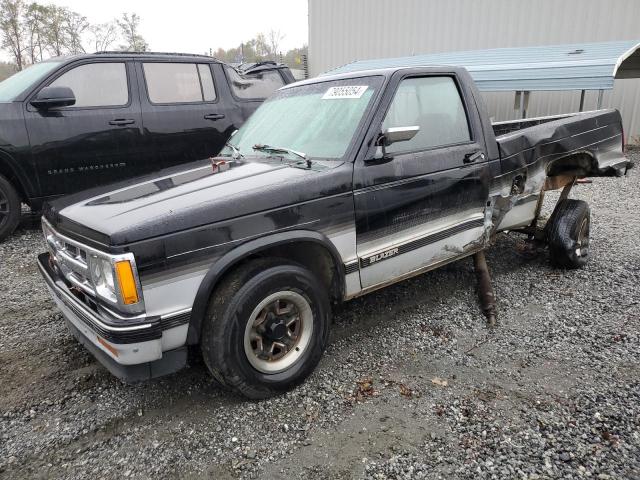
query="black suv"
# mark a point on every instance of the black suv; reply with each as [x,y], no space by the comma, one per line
[71,123]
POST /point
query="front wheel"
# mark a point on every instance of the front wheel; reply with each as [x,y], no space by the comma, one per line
[568,233]
[266,328]
[10,208]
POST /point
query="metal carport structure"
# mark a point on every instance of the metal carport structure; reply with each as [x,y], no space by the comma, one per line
[580,66]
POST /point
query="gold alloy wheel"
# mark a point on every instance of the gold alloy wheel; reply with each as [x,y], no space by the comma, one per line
[278,332]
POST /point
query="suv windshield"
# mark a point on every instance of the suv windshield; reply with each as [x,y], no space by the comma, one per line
[319,119]
[17,83]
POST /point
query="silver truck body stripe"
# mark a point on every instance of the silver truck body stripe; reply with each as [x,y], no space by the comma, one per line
[172,293]
[399,265]
[412,250]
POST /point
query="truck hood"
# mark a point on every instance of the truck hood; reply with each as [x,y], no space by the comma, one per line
[166,203]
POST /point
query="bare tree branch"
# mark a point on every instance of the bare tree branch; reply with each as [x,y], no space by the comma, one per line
[13,36]
[35,26]
[103,35]
[74,25]
[133,41]
[274,37]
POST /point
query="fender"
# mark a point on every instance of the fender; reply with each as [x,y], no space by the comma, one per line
[231,258]
[10,169]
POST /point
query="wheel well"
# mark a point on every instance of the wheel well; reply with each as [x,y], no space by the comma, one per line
[579,164]
[7,172]
[313,256]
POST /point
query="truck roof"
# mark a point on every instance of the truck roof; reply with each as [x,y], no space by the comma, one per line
[384,72]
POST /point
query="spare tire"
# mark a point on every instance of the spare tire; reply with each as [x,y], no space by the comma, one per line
[568,234]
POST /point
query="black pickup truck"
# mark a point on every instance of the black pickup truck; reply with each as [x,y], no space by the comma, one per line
[71,123]
[335,187]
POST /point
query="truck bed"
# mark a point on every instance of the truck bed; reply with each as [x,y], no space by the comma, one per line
[596,134]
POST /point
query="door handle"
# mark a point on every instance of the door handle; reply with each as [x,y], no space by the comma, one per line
[122,121]
[472,157]
[214,116]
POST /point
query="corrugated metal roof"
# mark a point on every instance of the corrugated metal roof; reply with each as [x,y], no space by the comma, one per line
[579,66]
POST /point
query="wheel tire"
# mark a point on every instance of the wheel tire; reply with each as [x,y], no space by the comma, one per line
[226,326]
[10,208]
[568,234]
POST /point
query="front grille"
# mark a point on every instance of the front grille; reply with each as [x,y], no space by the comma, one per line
[70,257]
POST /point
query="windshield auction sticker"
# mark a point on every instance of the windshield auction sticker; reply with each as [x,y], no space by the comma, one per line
[346,91]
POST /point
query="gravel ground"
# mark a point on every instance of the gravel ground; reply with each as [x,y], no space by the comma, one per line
[413,385]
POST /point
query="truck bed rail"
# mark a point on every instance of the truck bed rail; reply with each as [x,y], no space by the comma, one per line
[508,126]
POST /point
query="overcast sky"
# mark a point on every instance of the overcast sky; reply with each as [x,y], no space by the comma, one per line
[195,26]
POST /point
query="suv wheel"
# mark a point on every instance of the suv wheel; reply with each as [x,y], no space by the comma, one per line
[10,208]
[568,233]
[266,328]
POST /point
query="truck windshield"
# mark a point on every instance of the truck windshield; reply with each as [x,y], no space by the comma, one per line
[318,119]
[17,83]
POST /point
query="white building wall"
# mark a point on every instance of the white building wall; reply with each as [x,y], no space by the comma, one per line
[342,31]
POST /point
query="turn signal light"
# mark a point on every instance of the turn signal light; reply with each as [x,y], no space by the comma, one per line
[127,282]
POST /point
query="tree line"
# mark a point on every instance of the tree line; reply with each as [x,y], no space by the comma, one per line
[264,46]
[32,32]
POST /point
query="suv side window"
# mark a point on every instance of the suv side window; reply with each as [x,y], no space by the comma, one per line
[258,85]
[433,104]
[179,82]
[96,84]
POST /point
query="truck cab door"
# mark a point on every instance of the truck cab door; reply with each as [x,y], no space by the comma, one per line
[423,203]
[96,140]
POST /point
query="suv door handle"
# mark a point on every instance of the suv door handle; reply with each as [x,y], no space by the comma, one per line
[472,157]
[214,116]
[122,121]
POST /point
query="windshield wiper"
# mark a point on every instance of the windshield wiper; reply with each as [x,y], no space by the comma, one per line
[269,149]
[236,151]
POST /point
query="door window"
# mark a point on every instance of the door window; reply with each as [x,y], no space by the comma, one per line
[179,82]
[256,85]
[433,104]
[96,84]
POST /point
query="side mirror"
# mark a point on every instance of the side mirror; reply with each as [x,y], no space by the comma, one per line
[398,134]
[393,135]
[52,97]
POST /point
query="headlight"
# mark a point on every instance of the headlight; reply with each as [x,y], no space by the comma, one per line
[115,280]
[102,278]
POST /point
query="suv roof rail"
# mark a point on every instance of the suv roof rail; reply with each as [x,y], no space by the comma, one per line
[178,54]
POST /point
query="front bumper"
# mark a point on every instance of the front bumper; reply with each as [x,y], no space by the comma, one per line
[131,351]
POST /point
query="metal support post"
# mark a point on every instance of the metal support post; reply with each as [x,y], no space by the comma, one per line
[485,290]
[600,93]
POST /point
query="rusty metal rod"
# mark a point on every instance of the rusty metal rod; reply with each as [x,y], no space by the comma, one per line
[485,290]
